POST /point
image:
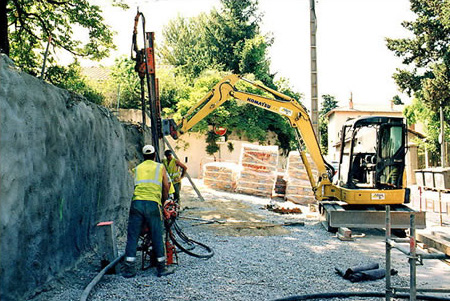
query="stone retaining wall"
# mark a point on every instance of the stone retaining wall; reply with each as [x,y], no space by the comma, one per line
[64,167]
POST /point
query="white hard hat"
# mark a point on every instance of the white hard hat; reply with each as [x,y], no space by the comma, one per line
[148,149]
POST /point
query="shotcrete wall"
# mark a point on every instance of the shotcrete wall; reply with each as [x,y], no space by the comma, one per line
[64,167]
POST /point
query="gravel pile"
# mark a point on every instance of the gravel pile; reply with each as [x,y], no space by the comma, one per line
[302,261]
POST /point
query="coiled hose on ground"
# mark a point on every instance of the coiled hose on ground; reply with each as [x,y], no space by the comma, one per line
[185,244]
[320,296]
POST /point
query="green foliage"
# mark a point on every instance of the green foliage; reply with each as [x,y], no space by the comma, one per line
[123,74]
[283,85]
[253,59]
[70,78]
[203,50]
[328,104]
[201,86]
[211,140]
[30,23]
[245,120]
[107,88]
[397,100]
[172,89]
[436,90]
[418,111]
[428,55]
[226,40]
[229,30]
[184,46]
[427,52]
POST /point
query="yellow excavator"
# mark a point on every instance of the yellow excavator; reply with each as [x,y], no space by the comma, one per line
[371,170]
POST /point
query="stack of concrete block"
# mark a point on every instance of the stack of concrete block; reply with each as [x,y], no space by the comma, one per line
[298,186]
[221,175]
[259,170]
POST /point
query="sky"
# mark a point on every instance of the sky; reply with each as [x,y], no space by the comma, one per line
[352,56]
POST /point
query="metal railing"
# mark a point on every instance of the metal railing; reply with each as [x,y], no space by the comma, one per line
[414,257]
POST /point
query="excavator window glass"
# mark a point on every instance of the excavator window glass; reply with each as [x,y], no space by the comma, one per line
[391,165]
[363,157]
[391,141]
[346,145]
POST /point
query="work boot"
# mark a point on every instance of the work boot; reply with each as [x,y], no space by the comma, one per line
[163,270]
[128,269]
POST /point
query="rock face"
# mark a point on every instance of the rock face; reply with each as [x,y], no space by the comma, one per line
[64,167]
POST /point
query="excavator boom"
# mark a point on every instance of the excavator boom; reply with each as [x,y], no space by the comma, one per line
[286,106]
[349,188]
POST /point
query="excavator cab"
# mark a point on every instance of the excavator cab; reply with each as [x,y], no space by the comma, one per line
[372,153]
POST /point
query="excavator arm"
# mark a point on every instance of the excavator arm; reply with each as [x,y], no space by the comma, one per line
[281,104]
[372,154]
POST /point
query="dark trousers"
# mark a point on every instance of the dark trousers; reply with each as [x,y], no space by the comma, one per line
[177,187]
[148,212]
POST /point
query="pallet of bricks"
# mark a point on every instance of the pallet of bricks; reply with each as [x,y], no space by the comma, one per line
[298,186]
[220,175]
[259,170]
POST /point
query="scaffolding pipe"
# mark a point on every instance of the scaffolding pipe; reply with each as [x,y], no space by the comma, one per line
[412,257]
[388,254]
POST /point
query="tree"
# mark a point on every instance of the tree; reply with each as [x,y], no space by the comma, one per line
[70,78]
[328,104]
[127,79]
[184,46]
[226,40]
[173,88]
[235,41]
[418,111]
[427,54]
[205,48]
[25,28]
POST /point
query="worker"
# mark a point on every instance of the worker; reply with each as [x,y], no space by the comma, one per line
[150,192]
[173,167]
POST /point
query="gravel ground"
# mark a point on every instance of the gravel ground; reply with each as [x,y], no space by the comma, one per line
[296,260]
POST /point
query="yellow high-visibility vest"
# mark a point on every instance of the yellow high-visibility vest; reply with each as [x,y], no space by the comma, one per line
[171,187]
[173,170]
[148,178]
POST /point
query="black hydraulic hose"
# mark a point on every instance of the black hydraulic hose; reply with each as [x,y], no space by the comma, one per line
[97,278]
[173,224]
[180,233]
[357,294]
[208,249]
[191,242]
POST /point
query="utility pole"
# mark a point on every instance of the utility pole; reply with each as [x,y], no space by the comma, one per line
[314,96]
